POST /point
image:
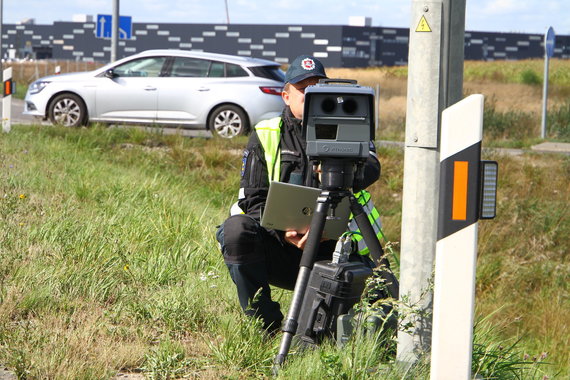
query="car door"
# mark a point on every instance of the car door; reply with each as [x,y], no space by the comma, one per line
[130,92]
[185,96]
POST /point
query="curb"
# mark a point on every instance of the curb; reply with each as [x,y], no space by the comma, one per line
[543,148]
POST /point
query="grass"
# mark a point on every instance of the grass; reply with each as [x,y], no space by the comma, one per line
[108,264]
[524,260]
[522,71]
[558,123]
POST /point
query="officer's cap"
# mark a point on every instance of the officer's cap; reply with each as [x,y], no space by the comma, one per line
[303,67]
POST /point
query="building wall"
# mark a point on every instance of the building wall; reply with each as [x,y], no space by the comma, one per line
[336,46]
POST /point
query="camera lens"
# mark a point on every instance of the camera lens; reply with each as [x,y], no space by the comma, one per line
[349,106]
[328,105]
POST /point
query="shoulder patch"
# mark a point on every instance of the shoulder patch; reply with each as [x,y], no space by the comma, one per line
[244,161]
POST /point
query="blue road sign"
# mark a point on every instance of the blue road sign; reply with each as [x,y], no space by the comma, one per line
[549,42]
[105,27]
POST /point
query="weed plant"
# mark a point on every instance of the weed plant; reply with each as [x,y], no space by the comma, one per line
[523,71]
[558,126]
[507,128]
[108,263]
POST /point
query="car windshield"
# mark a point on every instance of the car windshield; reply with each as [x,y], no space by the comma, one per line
[269,72]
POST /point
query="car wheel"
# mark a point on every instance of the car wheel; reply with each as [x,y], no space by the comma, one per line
[228,121]
[67,110]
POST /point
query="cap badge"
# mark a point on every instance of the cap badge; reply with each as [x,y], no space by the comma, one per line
[308,64]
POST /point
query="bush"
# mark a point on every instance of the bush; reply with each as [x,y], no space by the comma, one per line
[530,77]
[510,125]
[559,122]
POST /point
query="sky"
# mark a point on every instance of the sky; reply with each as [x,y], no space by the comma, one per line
[525,16]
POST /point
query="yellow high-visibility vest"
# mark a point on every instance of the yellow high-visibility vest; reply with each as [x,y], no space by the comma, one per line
[269,133]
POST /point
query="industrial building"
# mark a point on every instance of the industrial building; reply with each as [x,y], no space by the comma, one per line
[335,45]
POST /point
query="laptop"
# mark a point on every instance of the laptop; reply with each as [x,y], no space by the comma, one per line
[291,207]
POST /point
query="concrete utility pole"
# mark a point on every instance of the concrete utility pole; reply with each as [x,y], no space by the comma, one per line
[115,31]
[435,81]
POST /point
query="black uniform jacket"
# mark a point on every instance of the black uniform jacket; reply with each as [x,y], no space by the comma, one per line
[295,166]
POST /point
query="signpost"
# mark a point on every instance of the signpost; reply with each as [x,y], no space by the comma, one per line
[105,27]
[549,42]
[114,27]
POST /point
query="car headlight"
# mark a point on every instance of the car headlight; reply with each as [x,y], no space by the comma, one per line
[37,86]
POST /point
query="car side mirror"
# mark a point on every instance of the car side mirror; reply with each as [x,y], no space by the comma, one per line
[110,74]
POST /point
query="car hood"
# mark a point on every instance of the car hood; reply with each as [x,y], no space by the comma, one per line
[68,77]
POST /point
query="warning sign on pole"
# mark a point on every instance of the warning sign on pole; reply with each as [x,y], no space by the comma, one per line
[423,25]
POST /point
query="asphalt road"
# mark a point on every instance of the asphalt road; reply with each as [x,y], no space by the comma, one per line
[19,118]
[17,109]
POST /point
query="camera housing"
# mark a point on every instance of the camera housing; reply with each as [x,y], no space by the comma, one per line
[338,119]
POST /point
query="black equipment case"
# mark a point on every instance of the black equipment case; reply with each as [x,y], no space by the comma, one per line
[332,290]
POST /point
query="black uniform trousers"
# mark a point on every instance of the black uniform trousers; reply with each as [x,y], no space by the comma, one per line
[255,258]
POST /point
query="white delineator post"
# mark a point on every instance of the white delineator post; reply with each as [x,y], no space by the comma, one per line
[456,247]
[7,100]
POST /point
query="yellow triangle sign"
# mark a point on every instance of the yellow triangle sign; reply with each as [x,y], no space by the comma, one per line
[423,26]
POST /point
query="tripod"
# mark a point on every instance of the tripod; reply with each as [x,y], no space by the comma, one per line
[337,179]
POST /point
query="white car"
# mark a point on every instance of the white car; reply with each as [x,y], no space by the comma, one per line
[226,94]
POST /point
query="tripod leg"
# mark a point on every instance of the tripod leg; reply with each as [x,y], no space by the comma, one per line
[307,261]
[374,246]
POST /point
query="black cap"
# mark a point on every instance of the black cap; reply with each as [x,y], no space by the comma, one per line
[303,67]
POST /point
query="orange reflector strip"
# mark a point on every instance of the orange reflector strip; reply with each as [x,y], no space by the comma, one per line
[460,176]
[7,88]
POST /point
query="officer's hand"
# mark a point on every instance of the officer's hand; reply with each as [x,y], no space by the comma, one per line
[297,239]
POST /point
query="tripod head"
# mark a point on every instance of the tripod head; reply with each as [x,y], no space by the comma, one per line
[338,174]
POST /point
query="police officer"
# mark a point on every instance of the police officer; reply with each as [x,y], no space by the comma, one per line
[255,256]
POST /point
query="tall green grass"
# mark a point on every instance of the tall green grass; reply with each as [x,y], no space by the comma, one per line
[558,126]
[510,128]
[108,263]
[524,72]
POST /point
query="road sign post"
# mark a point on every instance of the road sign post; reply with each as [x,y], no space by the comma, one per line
[549,42]
[114,27]
[115,31]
